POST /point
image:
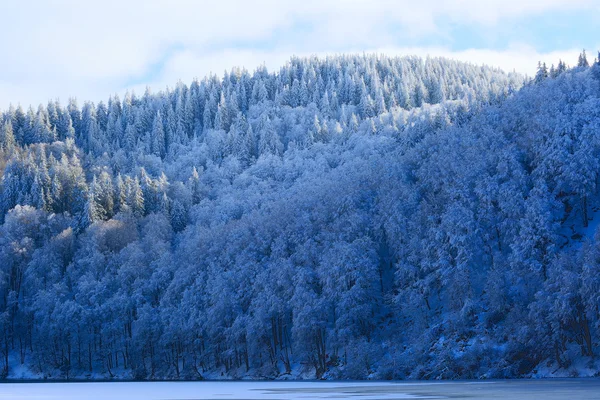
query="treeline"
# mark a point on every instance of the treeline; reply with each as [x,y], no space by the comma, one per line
[353,217]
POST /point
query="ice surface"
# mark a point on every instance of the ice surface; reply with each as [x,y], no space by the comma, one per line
[572,389]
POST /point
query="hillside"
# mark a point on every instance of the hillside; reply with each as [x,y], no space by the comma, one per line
[351,217]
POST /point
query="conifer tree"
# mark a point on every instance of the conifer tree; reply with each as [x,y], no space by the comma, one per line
[157,136]
[7,138]
[582,61]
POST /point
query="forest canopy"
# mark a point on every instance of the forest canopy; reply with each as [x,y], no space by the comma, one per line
[345,217]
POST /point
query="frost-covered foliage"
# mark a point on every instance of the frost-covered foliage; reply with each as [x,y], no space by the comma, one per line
[352,217]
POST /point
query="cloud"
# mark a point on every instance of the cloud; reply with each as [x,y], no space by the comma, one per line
[493,11]
[62,48]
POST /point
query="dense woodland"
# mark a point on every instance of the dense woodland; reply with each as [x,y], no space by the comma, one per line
[343,217]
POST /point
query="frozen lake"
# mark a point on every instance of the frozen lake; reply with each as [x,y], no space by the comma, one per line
[573,389]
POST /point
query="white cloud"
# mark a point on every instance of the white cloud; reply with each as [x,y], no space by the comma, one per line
[62,48]
[492,11]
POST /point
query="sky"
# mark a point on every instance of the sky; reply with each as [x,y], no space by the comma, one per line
[57,49]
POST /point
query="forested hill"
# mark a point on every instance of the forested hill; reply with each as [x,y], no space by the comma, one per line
[348,217]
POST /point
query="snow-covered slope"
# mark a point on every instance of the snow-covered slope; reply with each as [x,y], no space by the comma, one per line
[343,218]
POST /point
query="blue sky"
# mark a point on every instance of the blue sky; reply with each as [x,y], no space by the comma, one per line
[90,50]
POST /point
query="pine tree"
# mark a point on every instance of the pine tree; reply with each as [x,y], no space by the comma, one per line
[37,194]
[102,116]
[28,132]
[135,197]
[194,184]
[315,130]
[178,216]
[97,211]
[57,195]
[353,124]
[91,211]
[269,142]
[165,205]
[367,105]
[171,130]
[120,194]
[65,127]
[45,181]
[7,137]
[105,195]
[582,61]
[189,113]
[562,67]
[52,113]
[259,92]
[210,110]
[420,94]
[437,91]
[542,72]
[42,132]
[157,137]
[222,120]
[130,137]
[325,106]
[114,129]
[75,114]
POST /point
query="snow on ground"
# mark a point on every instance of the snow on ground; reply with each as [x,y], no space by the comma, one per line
[555,389]
[202,390]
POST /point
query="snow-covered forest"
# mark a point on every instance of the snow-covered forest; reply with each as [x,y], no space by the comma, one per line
[343,217]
